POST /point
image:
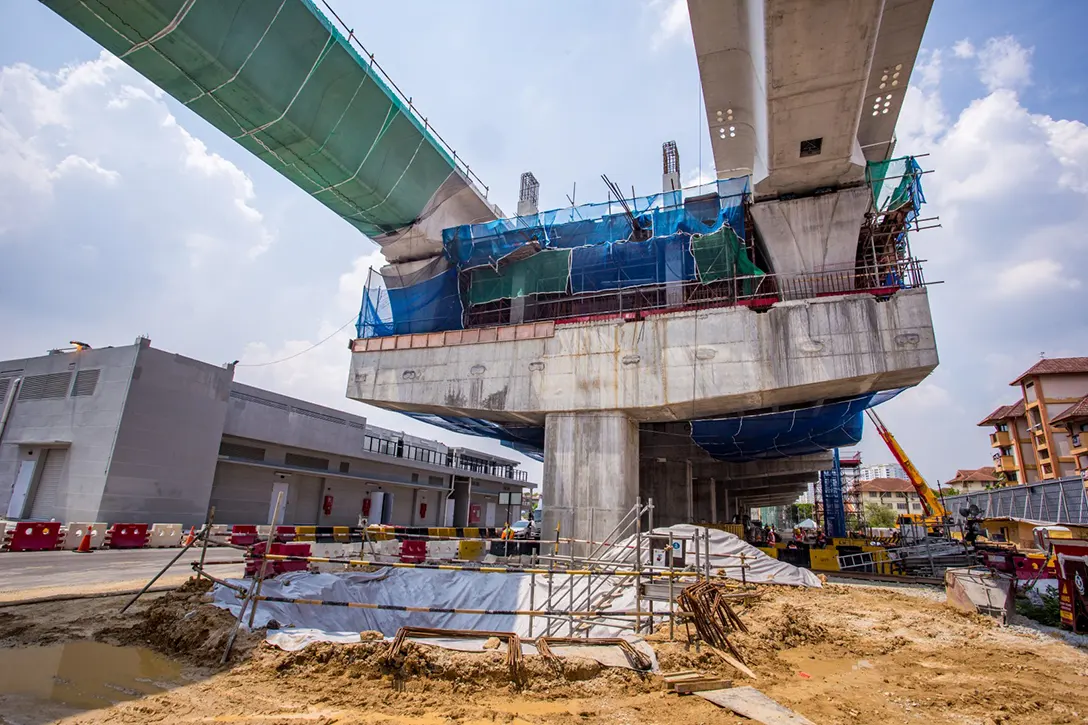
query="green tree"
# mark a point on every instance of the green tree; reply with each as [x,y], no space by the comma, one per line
[949,491]
[802,511]
[879,515]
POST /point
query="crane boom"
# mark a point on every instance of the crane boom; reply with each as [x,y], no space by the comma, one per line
[930,503]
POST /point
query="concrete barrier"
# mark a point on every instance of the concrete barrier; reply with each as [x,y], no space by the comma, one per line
[165,536]
[219,534]
[442,549]
[73,536]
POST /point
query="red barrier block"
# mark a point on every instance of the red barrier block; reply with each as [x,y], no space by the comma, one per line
[284,533]
[243,535]
[127,536]
[33,536]
[413,551]
[253,564]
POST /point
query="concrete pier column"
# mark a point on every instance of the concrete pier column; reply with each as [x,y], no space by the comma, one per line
[689,490]
[591,474]
[462,492]
[713,501]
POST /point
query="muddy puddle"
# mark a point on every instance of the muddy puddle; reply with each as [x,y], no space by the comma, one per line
[82,675]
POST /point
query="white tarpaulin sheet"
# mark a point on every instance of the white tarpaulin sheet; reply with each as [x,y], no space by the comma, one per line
[487,591]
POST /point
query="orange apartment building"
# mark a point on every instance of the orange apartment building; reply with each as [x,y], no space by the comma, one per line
[969,480]
[1075,422]
[1042,436]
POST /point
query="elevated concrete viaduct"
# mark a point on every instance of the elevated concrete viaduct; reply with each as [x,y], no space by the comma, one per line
[800,97]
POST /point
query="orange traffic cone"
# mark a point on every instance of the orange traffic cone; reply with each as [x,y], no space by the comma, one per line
[85,544]
[189,539]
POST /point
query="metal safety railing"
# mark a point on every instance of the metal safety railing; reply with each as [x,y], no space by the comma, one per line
[407,100]
[758,292]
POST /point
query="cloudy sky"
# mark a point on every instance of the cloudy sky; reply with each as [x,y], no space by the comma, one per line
[122,213]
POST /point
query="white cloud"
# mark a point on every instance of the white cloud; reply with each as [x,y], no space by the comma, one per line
[1011,188]
[73,164]
[927,70]
[1004,63]
[963,49]
[670,22]
[1022,280]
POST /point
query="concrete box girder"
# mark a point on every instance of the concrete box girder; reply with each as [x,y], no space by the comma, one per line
[676,366]
[794,70]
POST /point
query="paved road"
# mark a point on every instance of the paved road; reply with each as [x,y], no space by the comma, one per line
[28,575]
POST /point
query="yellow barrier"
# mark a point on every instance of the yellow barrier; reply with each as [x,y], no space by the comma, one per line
[824,559]
[305,533]
[773,553]
[471,533]
[342,534]
[839,541]
[470,550]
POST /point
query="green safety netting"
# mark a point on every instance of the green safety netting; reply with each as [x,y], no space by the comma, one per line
[721,255]
[543,273]
[278,77]
[894,183]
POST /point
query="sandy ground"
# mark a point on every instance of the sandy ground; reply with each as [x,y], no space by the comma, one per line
[846,654]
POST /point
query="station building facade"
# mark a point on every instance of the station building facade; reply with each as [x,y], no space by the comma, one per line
[137,434]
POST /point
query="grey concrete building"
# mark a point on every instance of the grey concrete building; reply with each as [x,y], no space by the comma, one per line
[136,434]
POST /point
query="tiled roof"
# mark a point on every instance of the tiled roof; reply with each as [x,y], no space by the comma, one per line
[1076,410]
[1004,412]
[1055,366]
[886,485]
[977,475]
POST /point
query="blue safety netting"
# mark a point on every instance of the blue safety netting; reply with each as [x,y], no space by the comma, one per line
[428,305]
[695,234]
[617,265]
[525,439]
[798,432]
[695,211]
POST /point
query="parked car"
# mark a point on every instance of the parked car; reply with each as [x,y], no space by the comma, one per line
[525,529]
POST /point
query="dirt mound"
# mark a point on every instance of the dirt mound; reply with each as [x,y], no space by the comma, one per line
[182,623]
[430,666]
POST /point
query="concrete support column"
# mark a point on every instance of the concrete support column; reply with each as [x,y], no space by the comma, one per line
[674,275]
[591,473]
[462,491]
[689,488]
[713,501]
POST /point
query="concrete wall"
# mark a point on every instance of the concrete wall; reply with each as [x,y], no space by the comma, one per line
[164,458]
[671,366]
[241,494]
[88,423]
[814,234]
[266,416]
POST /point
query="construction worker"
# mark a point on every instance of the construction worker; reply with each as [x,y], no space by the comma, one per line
[507,532]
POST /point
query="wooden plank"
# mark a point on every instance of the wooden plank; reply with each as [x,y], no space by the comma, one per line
[687,688]
[733,662]
[684,676]
[753,704]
